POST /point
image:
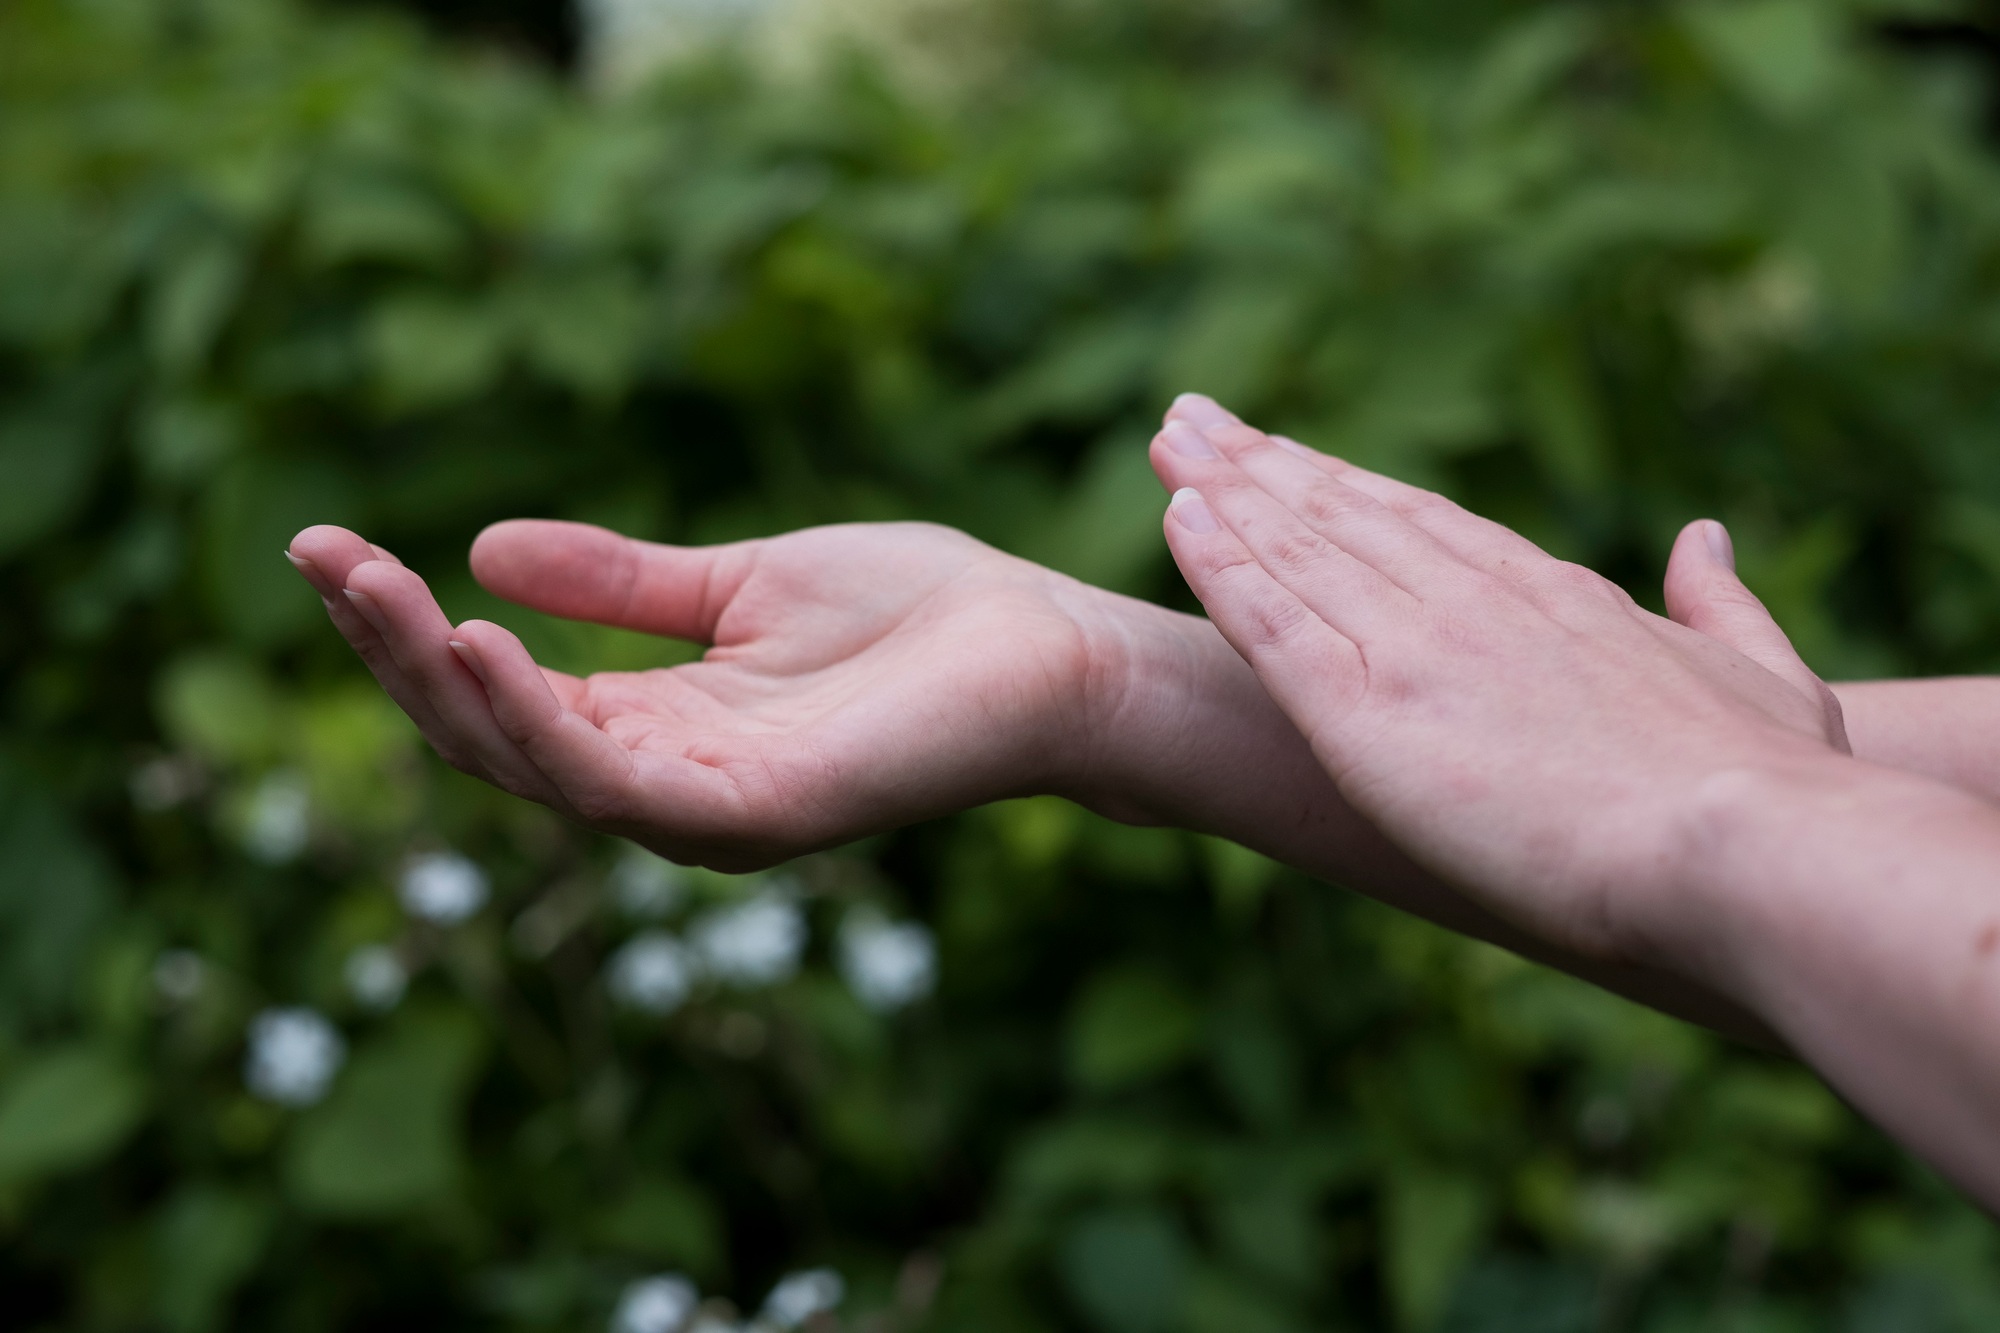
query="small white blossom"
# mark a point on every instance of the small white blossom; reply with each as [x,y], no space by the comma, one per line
[293,1056]
[178,975]
[800,1296]
[279,818]
[376,977]
[652,973]
[756,942]
[887,964]
[443,888]
[658,1304]
[647,887]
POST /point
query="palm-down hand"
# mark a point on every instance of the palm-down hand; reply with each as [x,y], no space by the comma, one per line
[1515,722]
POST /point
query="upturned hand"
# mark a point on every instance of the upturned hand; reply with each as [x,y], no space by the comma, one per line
[858,678]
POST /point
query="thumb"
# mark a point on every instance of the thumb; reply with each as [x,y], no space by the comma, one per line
[583,572]
[1704,594]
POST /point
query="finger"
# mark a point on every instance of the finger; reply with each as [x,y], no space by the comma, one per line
[1490,546]
[591,772]
[1480,542]
[1704,593]
[696,808]
[589,573]
[1336,569]
[1303,661]
[400,607]
[324,556]
[1350,595]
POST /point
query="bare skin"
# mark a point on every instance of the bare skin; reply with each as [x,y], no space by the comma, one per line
[1672,794]
[862,678]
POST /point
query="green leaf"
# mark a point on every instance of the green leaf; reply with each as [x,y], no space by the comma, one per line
[1432,1223]
[1784,55]
[1130,1024]
[192,298]
[428,349]
[207,1240]
[388,1139]
[220,706]
[1107,531]
[66,1109]
[50,452]
[666,1221]
[1126,1269]
[253,510]
[55,894]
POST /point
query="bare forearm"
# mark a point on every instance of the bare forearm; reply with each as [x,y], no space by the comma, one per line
[1857,909]
[1948,729]
[1196,743]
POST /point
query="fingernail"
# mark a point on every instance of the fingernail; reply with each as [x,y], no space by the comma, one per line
[1192,512]
[310,572]
[1719,545]
[1202,412]
[1292,446]
[1186,441]
[470,656]
[370,609]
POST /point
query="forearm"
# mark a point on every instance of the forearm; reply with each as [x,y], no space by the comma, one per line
[1948,729]
[1857,909]
[1191,740]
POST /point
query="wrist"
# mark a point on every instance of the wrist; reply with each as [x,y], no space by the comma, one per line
[1756,846]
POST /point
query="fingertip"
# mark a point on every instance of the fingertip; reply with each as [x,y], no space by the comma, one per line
[1200,411]
[1192,512]
[470,656]
[385,555]
[1720,547]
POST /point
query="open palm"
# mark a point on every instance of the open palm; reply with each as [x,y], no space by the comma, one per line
[859,677]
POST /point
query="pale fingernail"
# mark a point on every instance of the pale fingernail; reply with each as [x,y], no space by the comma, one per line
[1186,441]
[470,656]
[1719,545]
[1192,512]
[370,609]
[1201,411]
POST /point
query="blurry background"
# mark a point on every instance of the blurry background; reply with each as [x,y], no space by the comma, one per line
[301,1031]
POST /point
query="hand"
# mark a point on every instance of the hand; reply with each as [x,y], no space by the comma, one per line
[864,677]
[861,677]
[1516,723]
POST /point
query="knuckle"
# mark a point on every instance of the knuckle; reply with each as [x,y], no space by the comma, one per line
[1296,552]
[1271,620]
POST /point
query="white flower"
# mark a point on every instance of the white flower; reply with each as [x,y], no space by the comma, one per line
[376,977]
[658,1304]
[756,942]
[800,1296]
[294,1054]
[887,964]
[178,975]
[647,887]
[442,887]
[652,973]
[277,821]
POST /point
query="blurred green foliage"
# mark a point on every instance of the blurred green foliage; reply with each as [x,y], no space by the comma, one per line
[1593,268]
